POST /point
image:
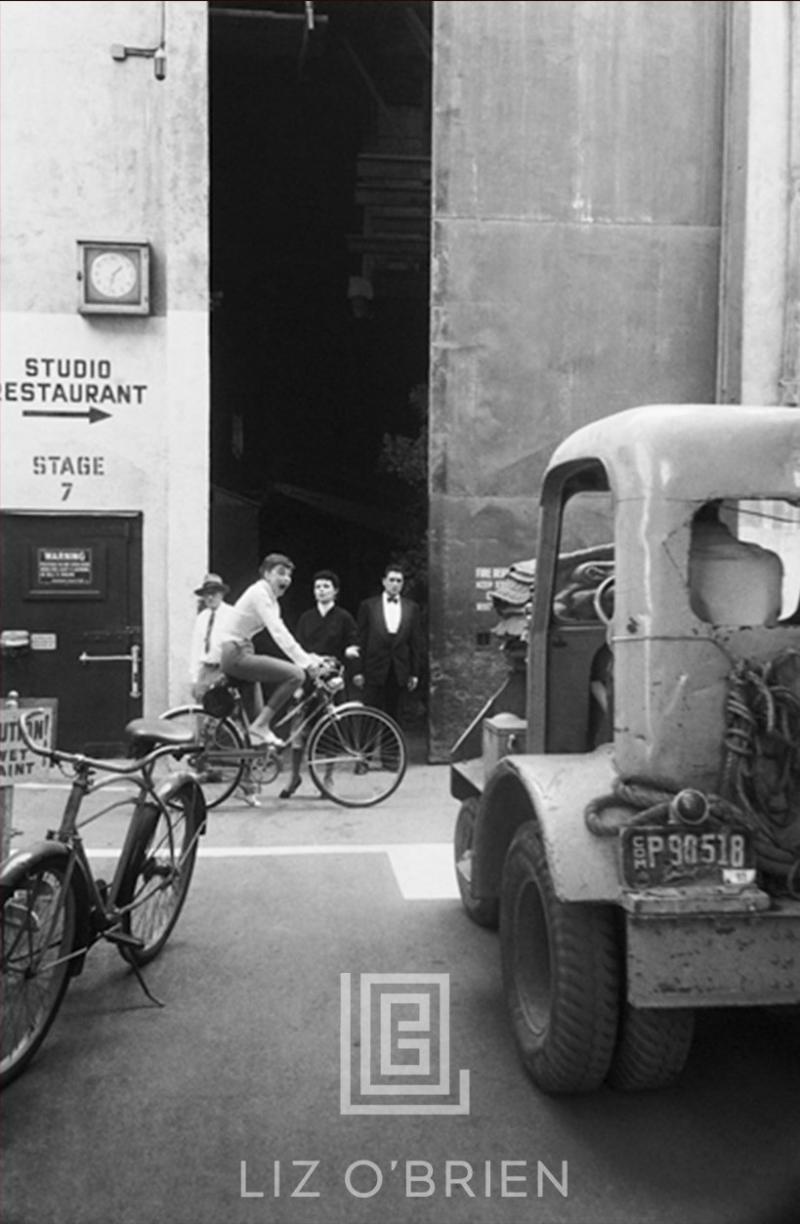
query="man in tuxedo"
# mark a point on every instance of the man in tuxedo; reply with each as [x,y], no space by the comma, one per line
[390,641]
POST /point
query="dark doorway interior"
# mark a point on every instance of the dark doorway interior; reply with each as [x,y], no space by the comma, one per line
[320,197]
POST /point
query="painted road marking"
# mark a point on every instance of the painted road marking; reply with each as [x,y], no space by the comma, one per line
[423,870]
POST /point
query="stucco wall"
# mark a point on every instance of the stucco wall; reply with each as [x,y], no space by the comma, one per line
[93,148]
[577,195]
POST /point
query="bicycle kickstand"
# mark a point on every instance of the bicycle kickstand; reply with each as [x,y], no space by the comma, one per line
[144,986]
[122,940]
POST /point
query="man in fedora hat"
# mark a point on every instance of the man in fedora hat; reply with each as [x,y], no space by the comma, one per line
[212,620]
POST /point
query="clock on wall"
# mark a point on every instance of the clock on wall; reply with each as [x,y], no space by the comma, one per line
[114,278]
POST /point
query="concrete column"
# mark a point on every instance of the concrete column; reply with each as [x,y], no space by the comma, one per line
[759,284]
[185,171]
[790,378]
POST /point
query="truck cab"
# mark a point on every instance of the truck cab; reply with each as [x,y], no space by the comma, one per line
[630,798]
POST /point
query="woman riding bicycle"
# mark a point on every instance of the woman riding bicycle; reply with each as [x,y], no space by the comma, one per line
[258,609]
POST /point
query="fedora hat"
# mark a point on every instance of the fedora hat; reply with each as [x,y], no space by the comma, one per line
[212,582]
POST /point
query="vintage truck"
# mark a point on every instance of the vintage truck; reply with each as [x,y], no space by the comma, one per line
[630,797]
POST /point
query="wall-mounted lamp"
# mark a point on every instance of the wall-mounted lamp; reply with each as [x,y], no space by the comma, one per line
[157,54]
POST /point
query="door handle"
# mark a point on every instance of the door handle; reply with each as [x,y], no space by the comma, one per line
[134,658]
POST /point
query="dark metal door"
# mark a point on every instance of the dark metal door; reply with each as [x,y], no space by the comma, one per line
[72,621]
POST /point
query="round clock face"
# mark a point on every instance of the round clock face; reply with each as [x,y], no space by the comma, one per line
[113,274]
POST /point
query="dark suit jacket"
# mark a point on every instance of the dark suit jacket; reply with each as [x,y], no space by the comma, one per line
[382,650]
[327,635]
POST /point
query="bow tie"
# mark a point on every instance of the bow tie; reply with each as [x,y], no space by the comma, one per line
[393,598]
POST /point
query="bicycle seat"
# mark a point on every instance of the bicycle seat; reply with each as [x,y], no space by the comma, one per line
[159,731]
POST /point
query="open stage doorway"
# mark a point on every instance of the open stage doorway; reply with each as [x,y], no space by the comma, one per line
[320,247]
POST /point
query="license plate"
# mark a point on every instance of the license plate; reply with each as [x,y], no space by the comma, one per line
[671,855]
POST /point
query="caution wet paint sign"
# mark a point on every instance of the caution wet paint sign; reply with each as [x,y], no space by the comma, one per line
[17,762]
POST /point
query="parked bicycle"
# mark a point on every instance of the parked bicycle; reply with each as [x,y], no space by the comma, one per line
[355,755]
[54,908]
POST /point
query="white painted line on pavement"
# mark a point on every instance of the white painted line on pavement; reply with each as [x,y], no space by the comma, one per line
[423,870]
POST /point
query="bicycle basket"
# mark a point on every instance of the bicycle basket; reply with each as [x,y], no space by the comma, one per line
[218,701]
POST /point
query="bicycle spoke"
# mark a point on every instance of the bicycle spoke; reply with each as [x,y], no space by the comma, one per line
[156,880]
[38,926]
[357,757]
[218,766]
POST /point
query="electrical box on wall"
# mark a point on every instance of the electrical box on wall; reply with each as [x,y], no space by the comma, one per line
[113,277]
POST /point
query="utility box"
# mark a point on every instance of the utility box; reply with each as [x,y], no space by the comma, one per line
[502,735]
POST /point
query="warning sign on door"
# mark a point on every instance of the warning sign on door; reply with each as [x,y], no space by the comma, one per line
[64,567]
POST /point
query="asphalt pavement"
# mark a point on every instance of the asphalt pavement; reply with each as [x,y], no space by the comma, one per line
[233,1104]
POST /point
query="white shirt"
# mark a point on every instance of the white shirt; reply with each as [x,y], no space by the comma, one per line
[198,653]
[391,613]
[258,609]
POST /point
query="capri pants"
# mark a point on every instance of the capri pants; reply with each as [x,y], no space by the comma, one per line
[239,660]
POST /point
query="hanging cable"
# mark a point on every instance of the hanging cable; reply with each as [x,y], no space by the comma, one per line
[760,781]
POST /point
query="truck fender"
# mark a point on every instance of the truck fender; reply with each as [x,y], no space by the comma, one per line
[41,853]
[553,791]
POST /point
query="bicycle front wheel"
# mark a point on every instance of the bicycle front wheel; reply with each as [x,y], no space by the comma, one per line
[357,756]
[218,765]
[155,881]
[39,915]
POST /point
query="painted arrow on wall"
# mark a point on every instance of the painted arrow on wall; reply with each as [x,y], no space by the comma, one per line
[94,414]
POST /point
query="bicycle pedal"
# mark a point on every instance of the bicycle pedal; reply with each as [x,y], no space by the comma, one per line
[122,939]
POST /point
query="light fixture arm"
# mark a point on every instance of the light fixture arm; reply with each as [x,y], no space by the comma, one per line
[158,55]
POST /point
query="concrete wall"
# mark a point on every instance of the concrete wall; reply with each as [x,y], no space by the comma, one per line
[771,231]
[576,231]
[92,148]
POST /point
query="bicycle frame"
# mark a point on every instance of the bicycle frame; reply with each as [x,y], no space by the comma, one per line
[311,707]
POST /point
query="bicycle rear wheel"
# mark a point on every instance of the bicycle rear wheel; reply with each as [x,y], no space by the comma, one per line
[155,880]
[357,756]
[219,770]
[39,915]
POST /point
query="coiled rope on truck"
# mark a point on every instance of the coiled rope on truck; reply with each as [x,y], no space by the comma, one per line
[761,768]
[760,780]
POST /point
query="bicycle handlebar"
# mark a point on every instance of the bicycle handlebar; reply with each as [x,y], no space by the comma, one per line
[329,667]
[79,761]
[329,675]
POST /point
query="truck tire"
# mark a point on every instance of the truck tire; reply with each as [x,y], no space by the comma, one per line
[561,974]
[652,1047]
[484,912]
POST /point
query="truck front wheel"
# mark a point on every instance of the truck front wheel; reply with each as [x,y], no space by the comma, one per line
[561,973]
[652,1049]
